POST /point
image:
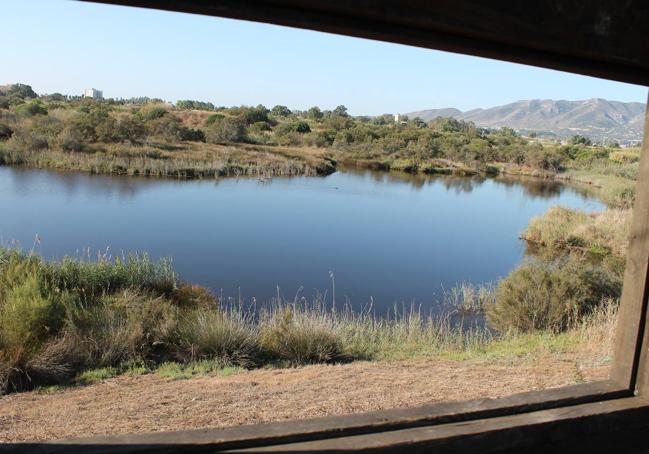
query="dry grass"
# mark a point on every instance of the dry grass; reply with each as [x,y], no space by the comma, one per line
[603,232]
[152,403]
[193,118]
[183,159]
[219,398]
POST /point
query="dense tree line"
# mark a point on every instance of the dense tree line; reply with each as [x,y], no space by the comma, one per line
[32,122]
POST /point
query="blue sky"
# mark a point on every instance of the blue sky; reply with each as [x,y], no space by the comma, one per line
[65,46]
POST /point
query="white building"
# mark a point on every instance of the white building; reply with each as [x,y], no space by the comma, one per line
[397,118]
[93,93]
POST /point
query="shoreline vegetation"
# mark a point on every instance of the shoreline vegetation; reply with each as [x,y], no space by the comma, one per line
[75,321]
[194,139]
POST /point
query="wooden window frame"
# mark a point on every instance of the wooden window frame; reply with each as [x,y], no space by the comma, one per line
[601,416]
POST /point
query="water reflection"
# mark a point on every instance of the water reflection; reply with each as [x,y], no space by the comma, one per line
[533,187]
[388,237]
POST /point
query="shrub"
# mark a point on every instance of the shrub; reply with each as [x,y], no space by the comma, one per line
[195,135]
[26,140]
[32,109]
[151,112]
[226,338]
[29,315]
[553,295]
[71,139]
[5,132]
[625,156]
[212,118]
[129,326]
[299,340]
[224,130]
[191,296]
[250,115]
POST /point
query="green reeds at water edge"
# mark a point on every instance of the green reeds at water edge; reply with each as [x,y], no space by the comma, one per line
[75,321]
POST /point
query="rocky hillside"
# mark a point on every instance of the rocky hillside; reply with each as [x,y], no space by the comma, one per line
[600,119]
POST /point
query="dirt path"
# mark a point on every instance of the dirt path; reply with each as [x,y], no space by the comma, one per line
[150,403]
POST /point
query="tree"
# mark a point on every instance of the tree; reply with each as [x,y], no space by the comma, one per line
[578,139]
[341,111]
[418,122]
[301,127]
[281,111]
[314,113]
[250,115]
[131,128]
[187,104]
[21,91]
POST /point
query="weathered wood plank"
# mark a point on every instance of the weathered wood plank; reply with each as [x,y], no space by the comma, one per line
[529,431]
[603,38]
[631,342]
[340,426]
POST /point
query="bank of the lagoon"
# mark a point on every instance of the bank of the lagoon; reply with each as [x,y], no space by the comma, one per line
[380,238]
[363,240]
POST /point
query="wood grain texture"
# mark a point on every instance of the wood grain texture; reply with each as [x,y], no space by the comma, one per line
[630,366]
[540,431]
[602,38]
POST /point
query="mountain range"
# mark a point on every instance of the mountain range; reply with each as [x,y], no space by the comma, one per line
[597,118]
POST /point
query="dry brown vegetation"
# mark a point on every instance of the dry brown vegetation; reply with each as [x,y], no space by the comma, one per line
[163,402]
[152,403]
[604,232]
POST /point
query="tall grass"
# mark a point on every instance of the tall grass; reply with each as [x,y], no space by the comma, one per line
[182,160]
[59,319]
[600,233]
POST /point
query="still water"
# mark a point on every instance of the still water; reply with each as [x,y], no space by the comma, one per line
[386,238]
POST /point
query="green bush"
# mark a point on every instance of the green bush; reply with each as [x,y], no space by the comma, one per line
[550,295]
[31,109]
[29,315]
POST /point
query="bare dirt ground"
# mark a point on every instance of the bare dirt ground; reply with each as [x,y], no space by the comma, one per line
[151,403]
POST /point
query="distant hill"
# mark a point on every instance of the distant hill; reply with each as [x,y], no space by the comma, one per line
[600,119]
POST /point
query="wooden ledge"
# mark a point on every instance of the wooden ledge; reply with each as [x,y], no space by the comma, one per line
[337,427]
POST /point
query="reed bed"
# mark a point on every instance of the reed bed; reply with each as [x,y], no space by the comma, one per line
[601,233]
[184,160]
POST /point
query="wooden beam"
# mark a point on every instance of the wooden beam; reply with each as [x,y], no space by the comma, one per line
[630,363]
[541,431]
[602,38]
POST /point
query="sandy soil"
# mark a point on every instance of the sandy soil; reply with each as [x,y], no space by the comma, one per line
[151,403]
